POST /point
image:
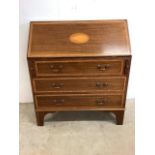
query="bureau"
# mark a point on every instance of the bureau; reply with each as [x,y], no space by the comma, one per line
[79,66]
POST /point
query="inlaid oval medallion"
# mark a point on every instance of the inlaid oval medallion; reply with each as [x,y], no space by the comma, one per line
[79,38]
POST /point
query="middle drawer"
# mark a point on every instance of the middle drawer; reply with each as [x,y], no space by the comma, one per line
[83,84]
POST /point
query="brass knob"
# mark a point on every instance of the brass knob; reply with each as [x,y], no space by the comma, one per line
[55,101]
[59,101]
[59,85]
[56,68]
[100,101]
[62,100]
[98,84]
[101,85]
[103,67]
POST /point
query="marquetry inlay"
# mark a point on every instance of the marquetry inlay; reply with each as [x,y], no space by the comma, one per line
[79,38]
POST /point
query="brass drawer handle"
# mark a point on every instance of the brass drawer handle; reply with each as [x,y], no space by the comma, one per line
[58,101]
[57,86]
[100,101]
[56,68]
[103,67]
[101,85]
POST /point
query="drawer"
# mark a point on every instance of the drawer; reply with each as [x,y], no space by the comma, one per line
[79,100]
[79,68]
[82,84]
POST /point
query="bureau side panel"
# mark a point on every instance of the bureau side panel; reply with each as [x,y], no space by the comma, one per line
[127,64]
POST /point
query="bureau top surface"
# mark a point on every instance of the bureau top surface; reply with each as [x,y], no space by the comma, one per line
[78,38]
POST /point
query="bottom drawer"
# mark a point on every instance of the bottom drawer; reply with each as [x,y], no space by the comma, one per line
[79,100]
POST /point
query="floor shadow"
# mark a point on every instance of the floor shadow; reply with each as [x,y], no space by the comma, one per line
[80,116]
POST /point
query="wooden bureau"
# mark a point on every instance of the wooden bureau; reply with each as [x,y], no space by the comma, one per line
[78,66]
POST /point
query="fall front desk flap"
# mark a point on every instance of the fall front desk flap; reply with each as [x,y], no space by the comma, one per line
[78,38]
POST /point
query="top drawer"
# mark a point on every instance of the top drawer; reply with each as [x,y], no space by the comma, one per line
[79,68]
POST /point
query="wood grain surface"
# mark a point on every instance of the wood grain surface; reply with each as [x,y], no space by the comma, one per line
[52,39]
[79,65]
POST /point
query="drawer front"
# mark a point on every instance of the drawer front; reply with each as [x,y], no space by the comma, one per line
[79,84]
[79,100]
[81,68]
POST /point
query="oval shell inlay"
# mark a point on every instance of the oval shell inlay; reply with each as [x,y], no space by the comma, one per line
[79,38]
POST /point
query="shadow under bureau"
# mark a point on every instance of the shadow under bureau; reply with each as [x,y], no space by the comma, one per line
[79,66]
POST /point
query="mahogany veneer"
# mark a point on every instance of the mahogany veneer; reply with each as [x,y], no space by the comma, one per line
[79,65]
